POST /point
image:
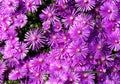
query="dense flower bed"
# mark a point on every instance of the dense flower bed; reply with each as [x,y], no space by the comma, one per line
[60,41]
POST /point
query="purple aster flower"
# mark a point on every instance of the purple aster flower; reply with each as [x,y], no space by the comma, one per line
[36,76]
[72,78]
[49,14]
[10,60]
[109,10]
[101,69]
[77,48]
[85,5]
[5,19]
[21,51]
[30,5]
[69,18]
[10,49]
[114,39]
[99,48]
[109,26]
[79,32]
[4,30]
[114,68]
[46,25]
[39,62]
[101,78]
[35,39]
[85,76]
[12,35]
[20,20]
[64,37]
[53,39]
[56,67]
[10,5]
[57,26]
[17,74]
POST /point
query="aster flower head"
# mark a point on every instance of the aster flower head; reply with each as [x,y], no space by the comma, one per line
[72,78]
[36,76]
[40,62]
[12,35]
[5,19]
[53,39]
[85,5]
[30,5]
[77,48]
[64,37]
[57,26]
[85,76]
[46,25]
[5,31]
[79,32]
[10,47]
[109,10]
[10,5]
[49,14]
[21,20]
[17,74]
[68,19]
[109,26]
[21,51]
[114,40]
[101,78]
[35,39]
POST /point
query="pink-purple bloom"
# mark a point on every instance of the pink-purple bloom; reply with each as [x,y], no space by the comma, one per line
[35,39]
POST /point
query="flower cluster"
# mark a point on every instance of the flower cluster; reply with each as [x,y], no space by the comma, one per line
[60,41]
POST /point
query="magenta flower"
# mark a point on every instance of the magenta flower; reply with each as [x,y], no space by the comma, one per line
[36,76]
[21,51]
[77,48]
[69,18]
[64,37]
[79,32]
[109,10]
[30,5]
[114,40]
[5,19]
[39,62]
[21,20]
[49,14]
[46,25]
[57,26]
[85,5]
[10,5]
[17,74]
[35,39]
[4,30]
